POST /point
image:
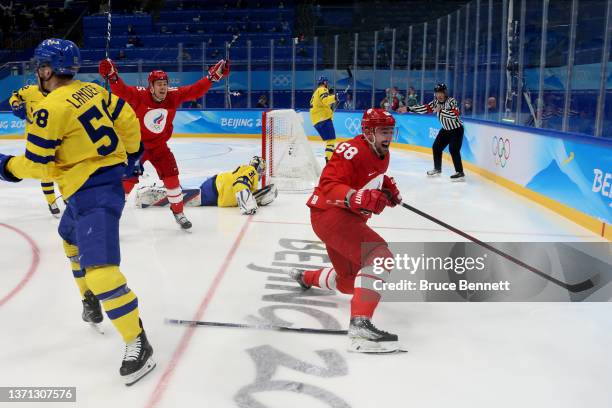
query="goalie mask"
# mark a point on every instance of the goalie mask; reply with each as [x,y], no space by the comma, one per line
[259,164]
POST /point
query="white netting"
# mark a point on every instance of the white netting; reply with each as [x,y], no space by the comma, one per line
[291,165]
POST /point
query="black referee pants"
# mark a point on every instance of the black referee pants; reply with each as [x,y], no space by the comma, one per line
[453,139]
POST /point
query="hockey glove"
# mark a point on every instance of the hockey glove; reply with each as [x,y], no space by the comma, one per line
[108,70]
[219,70]
[246,202]
[368,201]
[266,195]
[19,110]
[134,166]
[6,175]
[390,189]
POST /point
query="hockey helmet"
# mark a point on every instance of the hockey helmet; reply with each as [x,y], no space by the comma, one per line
[157,75]
[322,79]
[259,163]
[63,56]
[441,87]
[376,117]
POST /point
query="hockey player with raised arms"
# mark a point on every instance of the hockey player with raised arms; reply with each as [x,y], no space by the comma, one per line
[352,187]
[81,137]
[156,107]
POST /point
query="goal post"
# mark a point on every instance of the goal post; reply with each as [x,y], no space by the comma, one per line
[290,163]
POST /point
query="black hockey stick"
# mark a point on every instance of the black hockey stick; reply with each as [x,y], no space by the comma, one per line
[577,287]
[348,86]
[196,323]
[228,93]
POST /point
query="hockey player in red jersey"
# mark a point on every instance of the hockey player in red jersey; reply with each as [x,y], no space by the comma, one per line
[156,107]
[352,187]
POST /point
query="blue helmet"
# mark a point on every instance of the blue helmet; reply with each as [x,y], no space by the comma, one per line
[63,56]
[322,79]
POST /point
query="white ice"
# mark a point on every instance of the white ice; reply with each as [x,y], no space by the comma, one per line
[459,354]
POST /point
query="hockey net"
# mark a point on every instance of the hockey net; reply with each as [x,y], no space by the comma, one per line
[290,162]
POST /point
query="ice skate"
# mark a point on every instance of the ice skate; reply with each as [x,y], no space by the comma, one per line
[182,220]
[137,360]
[54,210]
[298,276]
[459,176]
[92,312]
[434,173]
[364,337]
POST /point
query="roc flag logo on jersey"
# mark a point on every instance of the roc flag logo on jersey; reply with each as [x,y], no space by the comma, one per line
[155,120]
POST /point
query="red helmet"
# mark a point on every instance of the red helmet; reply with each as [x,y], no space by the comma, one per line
[157,75]
[376,117]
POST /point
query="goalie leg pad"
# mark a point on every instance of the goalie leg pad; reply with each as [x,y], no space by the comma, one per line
[246,202]
[266,195]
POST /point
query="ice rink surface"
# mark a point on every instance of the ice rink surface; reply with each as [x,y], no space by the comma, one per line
[226,269]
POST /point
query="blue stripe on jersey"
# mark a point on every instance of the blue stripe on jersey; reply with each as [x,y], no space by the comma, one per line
[37,158]
[122,310]
[44,184]
[80,273]
[118,108]
[115,293]
[49,192]
[43,143]
[242,180]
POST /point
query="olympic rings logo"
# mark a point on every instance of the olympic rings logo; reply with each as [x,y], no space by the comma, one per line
[500,148]
[282,80]
[353,125]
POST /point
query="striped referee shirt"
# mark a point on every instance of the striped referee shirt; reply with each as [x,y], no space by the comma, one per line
[448,115]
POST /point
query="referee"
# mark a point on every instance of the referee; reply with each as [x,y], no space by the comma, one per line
[451,134]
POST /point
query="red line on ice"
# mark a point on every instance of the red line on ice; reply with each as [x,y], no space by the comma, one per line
[33,264]
[163,382]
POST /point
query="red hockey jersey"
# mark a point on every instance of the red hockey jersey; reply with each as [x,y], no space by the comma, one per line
[156,117]
[354,165]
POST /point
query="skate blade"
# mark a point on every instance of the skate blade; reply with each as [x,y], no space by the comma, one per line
[459,180]
[97,327]
[133,378]
[372,347]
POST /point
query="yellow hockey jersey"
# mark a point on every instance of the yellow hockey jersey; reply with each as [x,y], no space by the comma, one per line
[31,96]
[320,105]
[77,129]
[229,183]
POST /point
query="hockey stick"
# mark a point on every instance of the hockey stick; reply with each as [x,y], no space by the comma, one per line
[348,86]
[228,93]
[108,40]
[195,323]
[577,287]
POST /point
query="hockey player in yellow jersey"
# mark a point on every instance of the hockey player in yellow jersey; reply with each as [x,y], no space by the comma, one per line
[236,188]
[23,103]
[81,137]
[321,114]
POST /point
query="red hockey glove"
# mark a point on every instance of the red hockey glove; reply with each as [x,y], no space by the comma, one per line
[390,189]
[219,70]
[368,201]
[108,70]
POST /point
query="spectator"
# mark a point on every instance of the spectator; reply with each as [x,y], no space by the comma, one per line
[281,5]
[133,41]
[121,55]
[193,104]
[131,30]
[348,103]
[262,102]
[491,104]
[412,99]
[392,101]
[467,107]
[188,29]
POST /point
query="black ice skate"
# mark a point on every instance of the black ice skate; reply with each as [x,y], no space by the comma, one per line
[92,312]
[434,173]
[298,276]
[459,176]
[364,337]
[137,360]
[54,210]
[182,220]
